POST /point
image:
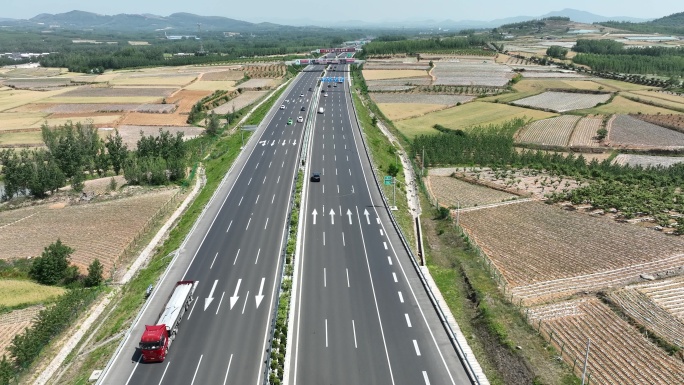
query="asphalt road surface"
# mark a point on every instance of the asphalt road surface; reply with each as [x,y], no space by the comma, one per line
[223,338]
[361,314]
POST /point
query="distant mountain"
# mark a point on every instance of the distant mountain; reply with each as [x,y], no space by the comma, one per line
[674,20]
[181,23]
[590,18]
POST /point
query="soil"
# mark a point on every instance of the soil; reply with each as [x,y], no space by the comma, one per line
[512,368]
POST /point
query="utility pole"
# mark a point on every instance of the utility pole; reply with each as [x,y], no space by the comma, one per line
[394,191]
[422,163]
[586,358]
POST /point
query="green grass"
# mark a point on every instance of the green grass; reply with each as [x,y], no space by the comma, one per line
[466,116]
[22,293]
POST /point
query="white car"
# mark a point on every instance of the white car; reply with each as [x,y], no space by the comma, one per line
[300,119]
[325,94]
[301,95]
[282,106]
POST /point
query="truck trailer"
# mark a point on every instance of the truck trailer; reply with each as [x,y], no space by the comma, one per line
[156,339]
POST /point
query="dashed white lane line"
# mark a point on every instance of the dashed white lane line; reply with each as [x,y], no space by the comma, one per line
[230,224]
[389,259]
[325,279]
[395,276]
[348,278]
[272,199]
[257,258]
[236,257]
[382,233]
[265,226]
[225,380]
[196,369]
[241,200]
[425,377]
[354,330]
[415,345]
[212,262]
[385,244]
[408,320]
[250,220]
[326,332]
[257,201]
[401,297]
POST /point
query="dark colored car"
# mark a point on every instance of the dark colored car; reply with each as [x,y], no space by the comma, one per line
[316,177]
[302,109]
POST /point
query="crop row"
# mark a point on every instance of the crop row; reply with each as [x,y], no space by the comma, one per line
[15,322]
[668,294]
[551,132]
[618,354]
[101,92]
[95,230]
[585,132]
[452,192]
[655,318]
[468,73]
[545,252]
[626,130]
[562,101]
[647,160]
[448,100]
[674,121]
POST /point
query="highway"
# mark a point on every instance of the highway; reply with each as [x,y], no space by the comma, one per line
[361,314]
[235,254]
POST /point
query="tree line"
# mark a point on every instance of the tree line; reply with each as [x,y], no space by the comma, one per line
[74,151]
[414,46]
[633,190]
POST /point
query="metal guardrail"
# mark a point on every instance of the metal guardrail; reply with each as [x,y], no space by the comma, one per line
[440,313]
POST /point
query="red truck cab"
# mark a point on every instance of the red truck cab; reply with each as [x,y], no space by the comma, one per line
[154,343]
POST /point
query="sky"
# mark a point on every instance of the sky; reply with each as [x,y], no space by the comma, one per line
[321,10]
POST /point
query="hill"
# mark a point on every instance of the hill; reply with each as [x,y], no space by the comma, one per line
[176,23]
[672,24]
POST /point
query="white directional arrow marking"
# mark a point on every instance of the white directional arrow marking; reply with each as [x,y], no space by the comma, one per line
[272,143]
[295,142]
[332,216]
[263,142]
[365,212]
[207,301]
[314,213]
[349,214]
[234,298]
[260,296]
[284,141]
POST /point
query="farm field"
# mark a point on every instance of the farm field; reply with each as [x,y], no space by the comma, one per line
[628,131]
[674,121]
[662,95]
[653,97]
[401,111]
[142,119]
[259,83]
[161,80]
[391,74]
[585,132]
[223,75]
[446,100]
[14,121]
[622,86]
[376,65]
[131,133]
[619,353]
[397,84]
[620,105]
[640,307]
[452,192]
[517,181]
[23,138]
[530,87]
[549,132]
[96,108]
[647,160]
[95,230]
[668,294]
[467,115]
[96,120]
[118,92]
[562,101]
[204,85]
[544,252]
[243,100]
[10,98]
[468,72]
[15,322]
[15,292]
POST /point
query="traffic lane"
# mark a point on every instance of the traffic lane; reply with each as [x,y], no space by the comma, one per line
[341,338]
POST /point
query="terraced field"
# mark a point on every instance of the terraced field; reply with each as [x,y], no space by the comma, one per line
[618,355]
[545,252]
[15,322]
[452,192]
[131,133]
[585,133]
[95,230]
[467,72]
[628,131]
[647,160]
[243,100]
[549,132]
[640,307]
[447,100]
[563,101]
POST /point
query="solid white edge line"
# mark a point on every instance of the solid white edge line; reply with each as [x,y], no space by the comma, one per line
[365,179]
